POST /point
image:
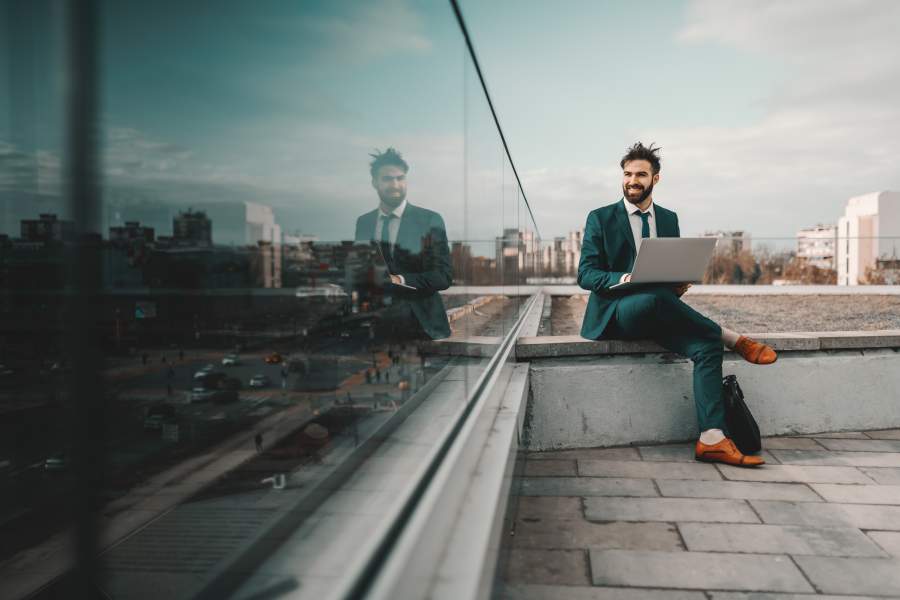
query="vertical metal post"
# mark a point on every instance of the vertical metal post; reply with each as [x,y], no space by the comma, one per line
[83,300]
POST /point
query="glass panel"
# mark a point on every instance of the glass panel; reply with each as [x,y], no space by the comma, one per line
[309,236]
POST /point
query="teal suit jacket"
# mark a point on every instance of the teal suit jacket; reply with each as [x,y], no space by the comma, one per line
[422,255]
[607,253]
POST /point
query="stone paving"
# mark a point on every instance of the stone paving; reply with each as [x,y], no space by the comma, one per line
[820,520]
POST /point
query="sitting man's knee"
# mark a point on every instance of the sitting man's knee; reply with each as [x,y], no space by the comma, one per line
[708,350]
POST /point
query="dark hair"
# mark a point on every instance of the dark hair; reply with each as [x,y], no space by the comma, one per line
[642,152]
[388,157]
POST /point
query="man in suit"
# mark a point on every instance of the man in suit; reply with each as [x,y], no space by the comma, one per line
[413,244]
[612,237]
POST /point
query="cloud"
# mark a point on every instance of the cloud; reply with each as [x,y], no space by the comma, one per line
[359,32]
[831,127]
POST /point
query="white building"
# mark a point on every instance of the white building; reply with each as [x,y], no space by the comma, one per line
[816,245]
[730,242]
[560,257]
[869,230]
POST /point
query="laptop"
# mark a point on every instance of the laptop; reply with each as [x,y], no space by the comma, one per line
[670,260]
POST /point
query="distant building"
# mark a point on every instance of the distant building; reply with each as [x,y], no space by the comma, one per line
[47,228]
[562,255]
[887,270]
[192,228]
[518,255]
[460,259]
[868,231]
[816,246]
[130,233]
[731,243]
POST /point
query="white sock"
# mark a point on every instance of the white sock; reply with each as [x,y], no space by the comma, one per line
[729,337]
[712,436]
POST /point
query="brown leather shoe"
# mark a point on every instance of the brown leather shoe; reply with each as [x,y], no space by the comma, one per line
[725,452]
[755,352]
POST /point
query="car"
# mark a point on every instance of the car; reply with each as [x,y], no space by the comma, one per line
[154,422]
[56,462]
[200,394]
[206,370]
[230,360]
[274,358]
[259,381]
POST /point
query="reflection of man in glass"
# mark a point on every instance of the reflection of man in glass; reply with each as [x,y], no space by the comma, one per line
[413,244]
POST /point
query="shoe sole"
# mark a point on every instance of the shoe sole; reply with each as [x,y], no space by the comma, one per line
[715,460]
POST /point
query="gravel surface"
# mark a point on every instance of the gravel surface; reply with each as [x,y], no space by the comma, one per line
[758,314]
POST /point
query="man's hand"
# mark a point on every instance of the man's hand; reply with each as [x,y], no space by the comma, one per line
[627,278]
[395,279]
[681,289]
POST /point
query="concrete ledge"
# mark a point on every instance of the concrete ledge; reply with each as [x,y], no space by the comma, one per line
[529,348]
[469,307]
[629,399]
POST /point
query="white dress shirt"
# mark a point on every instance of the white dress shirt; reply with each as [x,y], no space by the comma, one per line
[636,223]
[394,224]
[393,228]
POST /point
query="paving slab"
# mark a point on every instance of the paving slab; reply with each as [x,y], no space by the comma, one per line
[840,435]
[826,514]
[737,489]
[797,474]
[668,510]
[559,592]
[883,475]
[550,468]
[585,486]
[866,445]
[647,469]
[555,567]
[859,494]
[681,453]
[697,570]
[621,453]
[834,458]
[884,434]
[553,534]
[790,443]
[548,507]
[889,540]
[779,539]
[777,596]
[876,576]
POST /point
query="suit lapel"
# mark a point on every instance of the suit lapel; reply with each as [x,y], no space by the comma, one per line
[408,229]
[665,224]
[625,228]
[367,226]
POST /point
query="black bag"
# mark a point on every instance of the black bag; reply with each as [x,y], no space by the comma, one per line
[741,424]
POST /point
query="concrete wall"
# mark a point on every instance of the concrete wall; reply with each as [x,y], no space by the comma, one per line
[627,399]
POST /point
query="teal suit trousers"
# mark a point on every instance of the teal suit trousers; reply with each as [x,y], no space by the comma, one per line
[657,313]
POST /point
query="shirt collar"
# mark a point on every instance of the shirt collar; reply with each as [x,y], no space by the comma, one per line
[631,209]
[397,211]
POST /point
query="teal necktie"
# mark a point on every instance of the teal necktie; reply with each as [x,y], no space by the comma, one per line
[385,243]
[645,225]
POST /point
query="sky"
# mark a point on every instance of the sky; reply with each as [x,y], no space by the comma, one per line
[770,114]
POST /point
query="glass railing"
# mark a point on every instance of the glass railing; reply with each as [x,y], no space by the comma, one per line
[300,221]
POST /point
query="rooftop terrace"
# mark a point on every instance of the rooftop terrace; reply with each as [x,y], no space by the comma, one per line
[821,518]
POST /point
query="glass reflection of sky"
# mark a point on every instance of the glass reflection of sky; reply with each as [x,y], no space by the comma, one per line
[280,103]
